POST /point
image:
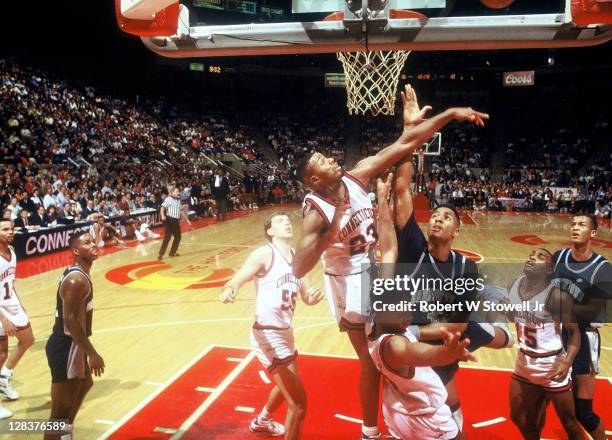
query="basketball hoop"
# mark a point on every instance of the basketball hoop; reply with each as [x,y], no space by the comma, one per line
[372,76]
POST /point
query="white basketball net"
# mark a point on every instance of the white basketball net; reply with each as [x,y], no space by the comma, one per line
[371,80]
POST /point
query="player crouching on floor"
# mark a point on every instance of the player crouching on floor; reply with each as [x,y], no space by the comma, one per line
[414,397]
[272,336]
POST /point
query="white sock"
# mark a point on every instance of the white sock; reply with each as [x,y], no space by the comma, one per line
[6,372]
[370,431]
[265,414]
[458,418]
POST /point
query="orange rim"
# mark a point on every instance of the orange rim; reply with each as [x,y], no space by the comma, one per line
[393,13]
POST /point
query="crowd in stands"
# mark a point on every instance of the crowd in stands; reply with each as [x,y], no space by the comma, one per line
[70,152]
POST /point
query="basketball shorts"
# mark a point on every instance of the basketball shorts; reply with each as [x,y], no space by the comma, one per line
[535,371]
[587,358]
[273,347]
[66,360]
[439,425]
[348,297]
[17,315]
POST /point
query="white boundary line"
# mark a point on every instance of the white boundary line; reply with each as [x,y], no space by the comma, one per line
[472,218]
[155,393]
[489,422]
[348,419]
[205,389]
[222,245]
[214,396]
[105,422]
[264,378]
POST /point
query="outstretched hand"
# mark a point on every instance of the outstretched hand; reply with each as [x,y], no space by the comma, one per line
[413,115]
[383,188]
[470,115]
[456,347]
[313,296]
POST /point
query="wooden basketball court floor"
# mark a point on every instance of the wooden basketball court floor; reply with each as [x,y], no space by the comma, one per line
[175,355]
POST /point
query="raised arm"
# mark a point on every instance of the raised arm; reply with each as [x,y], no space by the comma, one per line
[316,237]
[257,262]
[402,195]
[412,137]
[386,231]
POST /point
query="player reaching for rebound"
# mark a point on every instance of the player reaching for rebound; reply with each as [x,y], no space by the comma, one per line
[414,397]
[272,336]
[70,354]
[339,227]
[587,277]
[542,369]
[13,318]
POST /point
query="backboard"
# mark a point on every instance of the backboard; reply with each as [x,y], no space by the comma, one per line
[265,27]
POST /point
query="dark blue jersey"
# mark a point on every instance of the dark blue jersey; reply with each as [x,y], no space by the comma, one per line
[440,282]
[583,280]
[85,315]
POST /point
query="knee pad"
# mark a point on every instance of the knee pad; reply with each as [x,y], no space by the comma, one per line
[585,414]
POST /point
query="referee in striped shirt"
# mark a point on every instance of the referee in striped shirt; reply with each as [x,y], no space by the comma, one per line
[171,214]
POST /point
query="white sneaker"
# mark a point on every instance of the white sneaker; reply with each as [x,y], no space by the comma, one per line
[5,413]
[7,390]
[269,427]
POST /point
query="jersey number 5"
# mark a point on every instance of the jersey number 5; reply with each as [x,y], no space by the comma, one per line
[359,244]
[528,336]
[289,300]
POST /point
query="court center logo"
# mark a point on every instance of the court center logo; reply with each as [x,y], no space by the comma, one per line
[156,275]
[208,273]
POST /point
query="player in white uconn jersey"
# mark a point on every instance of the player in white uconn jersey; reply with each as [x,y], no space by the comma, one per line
[272,336]
[414,397]
[13,318]
[339,227]
[542,372]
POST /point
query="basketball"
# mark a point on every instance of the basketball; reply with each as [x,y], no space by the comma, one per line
[497,4]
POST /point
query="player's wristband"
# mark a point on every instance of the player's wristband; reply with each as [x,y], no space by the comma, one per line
[415,330]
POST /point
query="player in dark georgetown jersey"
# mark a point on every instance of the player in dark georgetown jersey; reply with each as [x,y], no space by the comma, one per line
[587,277]
[433,259]
[70,354]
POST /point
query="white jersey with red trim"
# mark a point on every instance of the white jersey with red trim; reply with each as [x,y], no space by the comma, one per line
[277,292]
[537,331]
[8,269]
[423,393]
[355,245]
